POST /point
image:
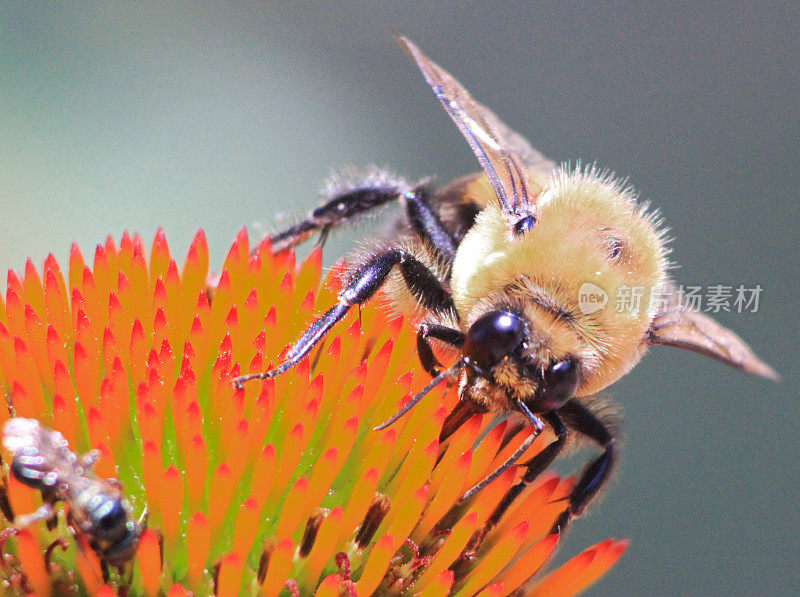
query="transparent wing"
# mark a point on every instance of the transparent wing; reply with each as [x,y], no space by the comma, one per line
[502,153]
[679,326]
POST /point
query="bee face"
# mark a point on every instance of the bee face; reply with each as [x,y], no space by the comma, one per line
[498,347]
[588,231]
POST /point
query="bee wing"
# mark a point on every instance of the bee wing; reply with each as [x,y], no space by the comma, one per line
[517,145]
[677,325]
[19,433]
[502,153]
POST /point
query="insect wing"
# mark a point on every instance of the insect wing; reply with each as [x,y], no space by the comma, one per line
[682,327]
[502,153]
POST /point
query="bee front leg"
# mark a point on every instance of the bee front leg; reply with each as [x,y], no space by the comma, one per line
[447,335]
[360,287]
[534,467]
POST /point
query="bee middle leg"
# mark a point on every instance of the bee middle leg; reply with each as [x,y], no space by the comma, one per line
[362,284]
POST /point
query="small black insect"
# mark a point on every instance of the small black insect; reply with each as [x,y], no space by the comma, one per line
[41,459]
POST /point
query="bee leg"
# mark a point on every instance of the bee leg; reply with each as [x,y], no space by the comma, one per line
[347,200]
[534,467]
[44,512]
[447,335]
[360,287]
[426,223]
[597,473]
[370,191]
[88,460]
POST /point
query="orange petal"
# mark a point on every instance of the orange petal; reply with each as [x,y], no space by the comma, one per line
[530,562]
[230,576]
[280,563]
[440,587]
[30,556]
[377,564]
[198,541]
[495,558]
[328,535]
[557,583]
[148,557]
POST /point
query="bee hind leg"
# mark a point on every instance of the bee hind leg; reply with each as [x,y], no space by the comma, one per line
[598,472]
[350,195]
[426,223]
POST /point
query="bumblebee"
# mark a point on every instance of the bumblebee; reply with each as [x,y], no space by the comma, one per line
[519,272]
[41,459]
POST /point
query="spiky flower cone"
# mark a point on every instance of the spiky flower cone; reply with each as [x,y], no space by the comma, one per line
[278,489]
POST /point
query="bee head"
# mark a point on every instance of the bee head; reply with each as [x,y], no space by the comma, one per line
[117,554]
[113,533]
[108,517]
[496,348]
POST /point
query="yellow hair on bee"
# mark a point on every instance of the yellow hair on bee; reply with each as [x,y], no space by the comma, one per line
[590,233]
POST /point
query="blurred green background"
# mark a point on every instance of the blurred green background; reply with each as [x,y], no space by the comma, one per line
[134,116]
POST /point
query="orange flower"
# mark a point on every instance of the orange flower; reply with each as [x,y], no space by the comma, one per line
[277,488]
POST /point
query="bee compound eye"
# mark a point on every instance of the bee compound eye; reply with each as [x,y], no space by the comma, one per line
[492,337]
[524,225]
[559,384]
[110,520]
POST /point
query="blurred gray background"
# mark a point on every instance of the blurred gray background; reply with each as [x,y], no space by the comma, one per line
[136,116]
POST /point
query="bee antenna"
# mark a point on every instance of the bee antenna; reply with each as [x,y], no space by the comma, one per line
[538,426]
[142,522]
[411,403]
